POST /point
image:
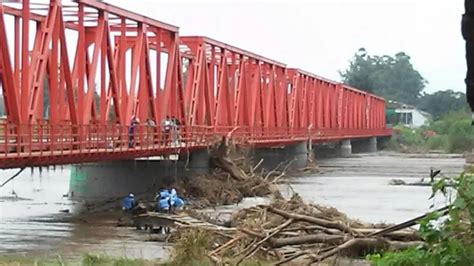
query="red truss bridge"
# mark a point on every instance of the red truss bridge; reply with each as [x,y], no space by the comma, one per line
[74,74]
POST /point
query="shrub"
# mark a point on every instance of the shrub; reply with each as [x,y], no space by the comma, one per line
[438,142]
[191,249]
[461,137]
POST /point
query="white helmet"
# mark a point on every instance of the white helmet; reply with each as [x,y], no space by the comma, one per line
[131,195]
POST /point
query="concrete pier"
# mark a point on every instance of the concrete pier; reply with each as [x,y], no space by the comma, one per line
[118,178]
[272,157]
[345,148]
[199,162]
[368,145]
[372,145]
[299,154]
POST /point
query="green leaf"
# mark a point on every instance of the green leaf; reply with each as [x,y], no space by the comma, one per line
[459,203]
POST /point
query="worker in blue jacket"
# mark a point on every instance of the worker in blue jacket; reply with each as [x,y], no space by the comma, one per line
[176,202]
[163,201]
[128,203]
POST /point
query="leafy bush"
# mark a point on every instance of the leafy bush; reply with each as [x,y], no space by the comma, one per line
[410,136]
[452,242]
[443,125]
[438,142]
[191,249]
[409,257]
[461,137]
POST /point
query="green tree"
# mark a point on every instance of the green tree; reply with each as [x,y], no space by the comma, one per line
[441,103]
[391,77]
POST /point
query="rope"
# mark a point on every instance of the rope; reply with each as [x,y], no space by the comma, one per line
[11,178]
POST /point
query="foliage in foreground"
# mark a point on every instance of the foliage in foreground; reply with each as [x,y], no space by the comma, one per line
[447,242]
[452,133]
[191,249]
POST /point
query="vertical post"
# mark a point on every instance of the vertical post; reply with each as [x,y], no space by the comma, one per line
[157,117]
[17,51]
[81,50]
[25,86]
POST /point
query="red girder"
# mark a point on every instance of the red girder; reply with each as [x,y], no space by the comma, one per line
[97,65]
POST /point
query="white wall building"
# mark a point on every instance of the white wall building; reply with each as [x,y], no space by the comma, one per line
[412,117]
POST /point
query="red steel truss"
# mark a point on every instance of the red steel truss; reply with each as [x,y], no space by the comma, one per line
[73,75]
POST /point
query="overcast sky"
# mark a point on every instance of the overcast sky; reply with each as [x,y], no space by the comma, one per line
[320,36]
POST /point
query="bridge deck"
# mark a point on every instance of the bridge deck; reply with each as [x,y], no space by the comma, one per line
[48,147]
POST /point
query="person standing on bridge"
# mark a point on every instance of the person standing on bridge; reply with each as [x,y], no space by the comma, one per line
[150,131]
[131,131]
[175,131]
[166,125]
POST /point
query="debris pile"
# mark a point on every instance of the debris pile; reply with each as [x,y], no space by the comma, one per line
[289,230]
[285,231]
[234,177]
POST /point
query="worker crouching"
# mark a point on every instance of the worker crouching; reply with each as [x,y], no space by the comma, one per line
[128,203]
[163,201]
[168,201]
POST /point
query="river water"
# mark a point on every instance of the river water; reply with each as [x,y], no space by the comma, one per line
[32,224]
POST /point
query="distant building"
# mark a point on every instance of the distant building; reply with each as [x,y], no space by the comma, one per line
[407,115]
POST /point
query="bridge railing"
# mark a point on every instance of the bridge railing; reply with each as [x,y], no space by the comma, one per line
[47,139]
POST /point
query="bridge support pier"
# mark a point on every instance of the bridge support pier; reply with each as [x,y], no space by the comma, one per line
[365,145]
[345,148]
[97,181]
[372,145]
[272,157]
[299,154]
[199,162]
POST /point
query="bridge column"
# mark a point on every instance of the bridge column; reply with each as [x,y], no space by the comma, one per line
[271,157]
[372,144]
[299,154]
[346,148]
[199,162]
[364,145]
[104,180]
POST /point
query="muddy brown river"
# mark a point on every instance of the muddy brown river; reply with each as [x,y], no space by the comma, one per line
[32,224]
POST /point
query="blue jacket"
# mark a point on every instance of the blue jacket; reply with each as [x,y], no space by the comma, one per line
[163,204]
[128,203]
[164,194]
[177,202]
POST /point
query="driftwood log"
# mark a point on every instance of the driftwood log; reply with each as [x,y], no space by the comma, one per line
[221,158]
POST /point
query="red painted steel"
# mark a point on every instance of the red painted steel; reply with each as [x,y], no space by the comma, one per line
[94,66]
